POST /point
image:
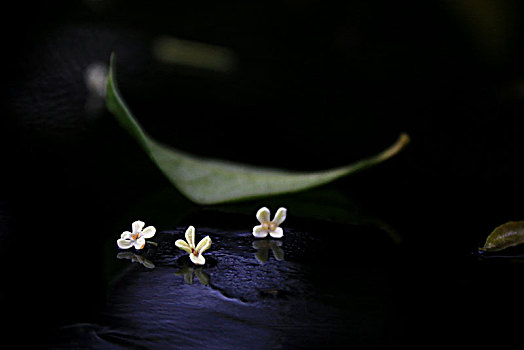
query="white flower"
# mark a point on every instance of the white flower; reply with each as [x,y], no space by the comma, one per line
[195,253]
[137,238]
[266,226]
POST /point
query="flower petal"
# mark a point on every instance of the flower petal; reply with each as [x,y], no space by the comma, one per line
[180,243]
[277,233]
[202,276]
[259,244]
[263,215]
[259,231]
[198,259]
[137,226]
[278,252]
[280,216]
[184,270]
[124,243]
[204,244]
[125,255]
[190,236]
[188,277]
[126,235]
[262,255]
[148,232]
[148,264]
[140,243]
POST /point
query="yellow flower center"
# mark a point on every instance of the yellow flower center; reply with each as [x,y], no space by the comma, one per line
[269,225]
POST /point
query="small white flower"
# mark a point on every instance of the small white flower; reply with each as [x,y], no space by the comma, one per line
[195,253]
[137,238]
[266,226]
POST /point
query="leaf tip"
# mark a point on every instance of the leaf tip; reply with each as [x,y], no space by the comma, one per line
[403,139]
[112,59]
[398,146]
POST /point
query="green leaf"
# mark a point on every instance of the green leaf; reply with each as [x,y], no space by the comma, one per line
[211,181]
[507,235]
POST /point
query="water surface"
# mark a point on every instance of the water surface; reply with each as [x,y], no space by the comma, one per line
[302,291]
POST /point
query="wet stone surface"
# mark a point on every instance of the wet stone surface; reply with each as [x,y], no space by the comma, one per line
[301,291]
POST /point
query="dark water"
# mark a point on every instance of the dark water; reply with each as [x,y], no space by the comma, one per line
[363,283]
[304,292]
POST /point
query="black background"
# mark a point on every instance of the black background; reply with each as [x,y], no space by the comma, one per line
[316,85]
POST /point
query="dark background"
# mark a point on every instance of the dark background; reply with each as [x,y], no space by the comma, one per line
[315,85]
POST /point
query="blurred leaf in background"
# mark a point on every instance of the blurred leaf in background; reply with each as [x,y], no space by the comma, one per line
[210,181]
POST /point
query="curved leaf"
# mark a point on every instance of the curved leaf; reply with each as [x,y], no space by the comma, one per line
[210,181]
[507,235]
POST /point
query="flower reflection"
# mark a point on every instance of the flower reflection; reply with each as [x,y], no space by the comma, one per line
[263,248]
[189,272]
[136,258]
